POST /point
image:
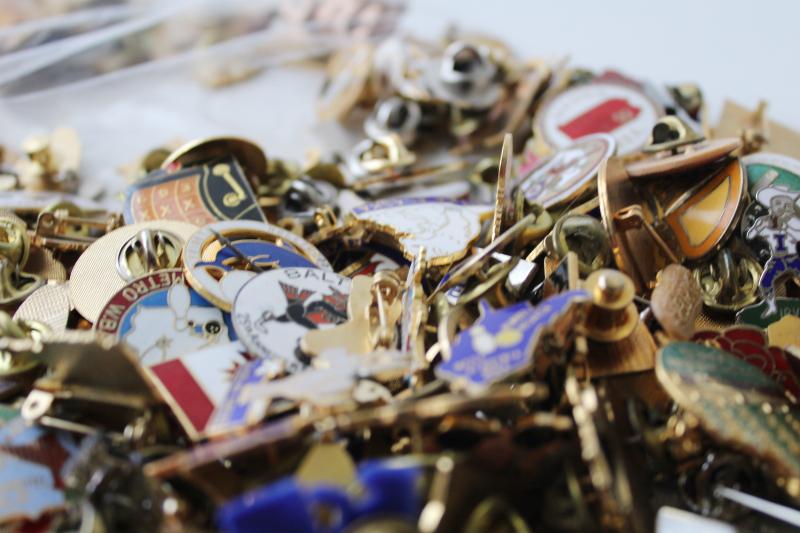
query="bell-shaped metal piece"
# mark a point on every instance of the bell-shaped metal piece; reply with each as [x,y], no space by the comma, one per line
[148,251]
[670,133]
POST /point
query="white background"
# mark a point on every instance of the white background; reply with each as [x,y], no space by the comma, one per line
[735,49]
[744,50]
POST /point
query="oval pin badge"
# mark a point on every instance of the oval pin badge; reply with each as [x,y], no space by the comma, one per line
[569,172]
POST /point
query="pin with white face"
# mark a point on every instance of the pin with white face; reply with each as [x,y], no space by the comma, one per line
[193,385]
[219,258]
[780,229]
[765,169]
[335,377]
[619,109]
[160,318]
[273,311]
[569,172]
[446,228]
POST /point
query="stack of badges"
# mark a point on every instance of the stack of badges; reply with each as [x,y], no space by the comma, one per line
[529,297]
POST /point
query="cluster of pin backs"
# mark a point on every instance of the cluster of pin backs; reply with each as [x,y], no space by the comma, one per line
[622,259]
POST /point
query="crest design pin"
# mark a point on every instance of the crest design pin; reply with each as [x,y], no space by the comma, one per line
[199,195]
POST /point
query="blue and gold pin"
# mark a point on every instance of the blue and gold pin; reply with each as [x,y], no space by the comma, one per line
[502,342]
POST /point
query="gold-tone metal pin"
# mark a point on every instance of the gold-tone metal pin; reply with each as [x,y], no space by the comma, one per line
[678,149]
[347,80]
[15,285]
[14,242]
[52,161]
[583,235]
[42,262]
[668,221]
[97,274]
[613,314]
[13,362]
[149,250]
[377,158]
[48,305]
[247,153]
[729,280]
[676,301]
[60,230]
[415,312]
[373,310]
[619,343]
[502,200]
[354,335]
[477,261]
[670,133]
[386,308]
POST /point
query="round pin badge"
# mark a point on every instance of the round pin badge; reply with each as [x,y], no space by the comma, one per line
[221,257]
[160,318]
[764,169]
[569,172]
[619,109]
[273,310]
[117,258]
[248,154]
